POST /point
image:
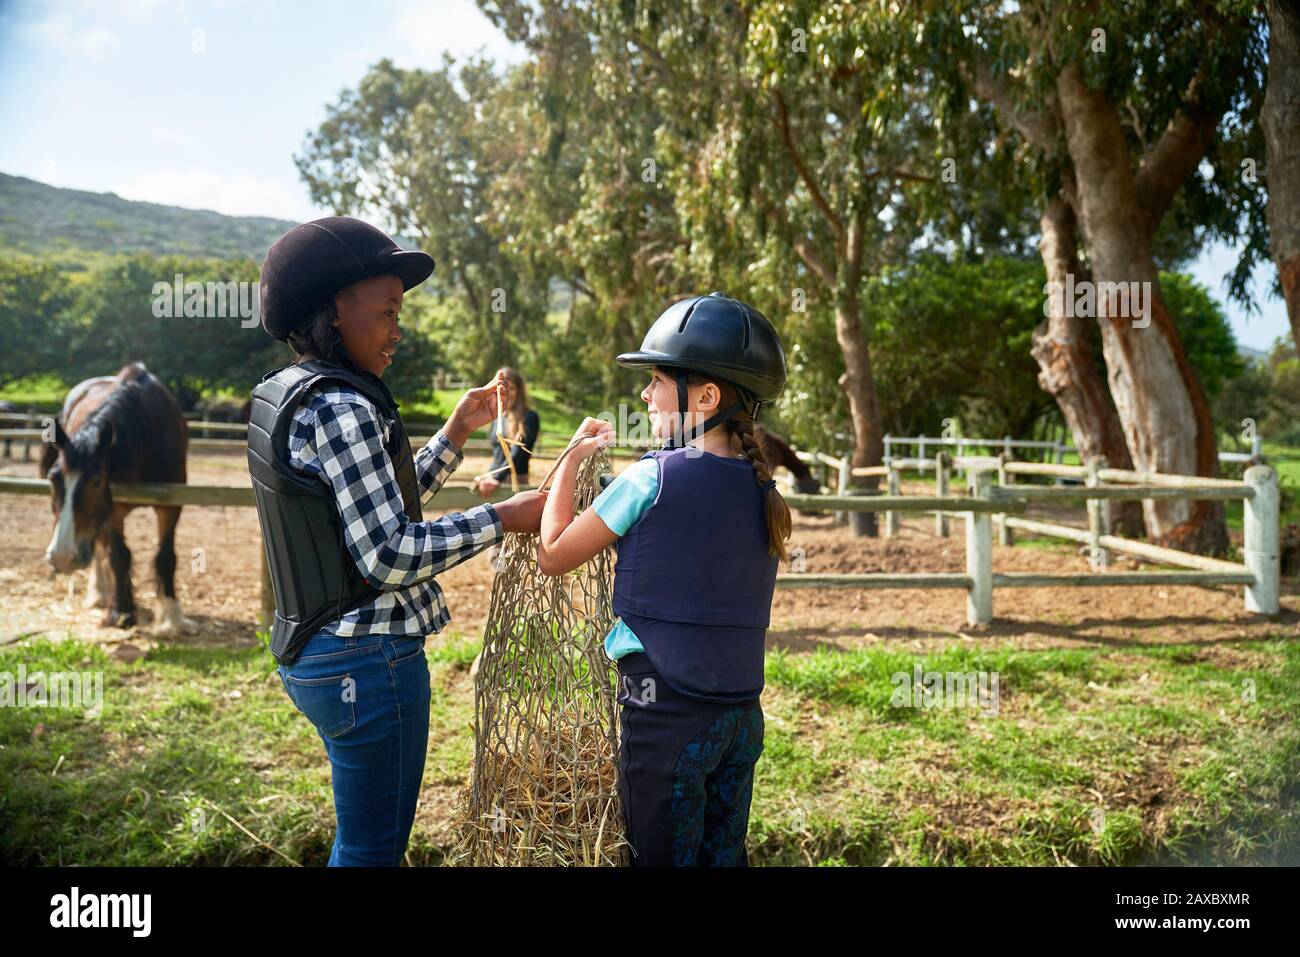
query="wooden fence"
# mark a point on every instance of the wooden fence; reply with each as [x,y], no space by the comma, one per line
[985,502]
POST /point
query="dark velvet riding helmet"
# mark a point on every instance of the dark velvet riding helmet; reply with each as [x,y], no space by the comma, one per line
[312,262]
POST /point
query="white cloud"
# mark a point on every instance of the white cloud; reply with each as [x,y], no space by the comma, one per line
[233,195]
[60,31]
[422,32]
[87,28]
[457,27]
[174,138]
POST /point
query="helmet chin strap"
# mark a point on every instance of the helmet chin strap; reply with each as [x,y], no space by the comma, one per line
[679,438]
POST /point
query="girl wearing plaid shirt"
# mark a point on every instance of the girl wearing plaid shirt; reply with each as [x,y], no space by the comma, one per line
[333,289]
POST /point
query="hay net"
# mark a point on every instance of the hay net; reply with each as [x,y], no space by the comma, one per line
[544,789]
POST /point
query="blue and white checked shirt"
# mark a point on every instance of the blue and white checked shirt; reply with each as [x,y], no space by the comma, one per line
[337,437]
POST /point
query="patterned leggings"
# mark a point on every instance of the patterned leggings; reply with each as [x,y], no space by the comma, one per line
[686,771]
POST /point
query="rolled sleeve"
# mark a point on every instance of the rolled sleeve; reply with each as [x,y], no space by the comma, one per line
[436,461]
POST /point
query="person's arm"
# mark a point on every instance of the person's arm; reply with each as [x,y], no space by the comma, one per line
[435,462]
[390,550]
[564,543]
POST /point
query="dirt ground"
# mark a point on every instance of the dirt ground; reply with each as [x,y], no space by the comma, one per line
[218,582]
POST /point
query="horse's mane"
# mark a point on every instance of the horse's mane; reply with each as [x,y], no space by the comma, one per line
[127,411]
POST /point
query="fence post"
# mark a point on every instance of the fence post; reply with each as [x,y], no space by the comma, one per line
[1059,458]
[921,454]
[843,489]
[1005,535]
[1261,539]
[941,473]
[979,552]
[1096,516]
[891,516]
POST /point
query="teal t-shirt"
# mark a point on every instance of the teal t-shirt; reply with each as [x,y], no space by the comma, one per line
[620,506]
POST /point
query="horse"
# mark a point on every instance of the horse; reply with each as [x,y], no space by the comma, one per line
[779,453]
[122,428]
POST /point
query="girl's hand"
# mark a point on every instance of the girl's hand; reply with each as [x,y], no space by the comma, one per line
[476,408]
[592,435]
[487,486]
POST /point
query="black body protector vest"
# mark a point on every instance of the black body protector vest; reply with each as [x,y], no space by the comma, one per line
[313,575]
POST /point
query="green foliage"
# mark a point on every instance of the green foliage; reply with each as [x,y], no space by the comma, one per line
[414,147]
[32,295]
[1204,330]
[115,321]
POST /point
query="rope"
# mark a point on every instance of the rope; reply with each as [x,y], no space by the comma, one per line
[501,436]
[544,785]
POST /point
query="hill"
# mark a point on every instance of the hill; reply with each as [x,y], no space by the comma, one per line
[39,219]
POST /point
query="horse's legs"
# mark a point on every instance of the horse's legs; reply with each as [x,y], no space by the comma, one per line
[101,581]
[170,620]
[121,612]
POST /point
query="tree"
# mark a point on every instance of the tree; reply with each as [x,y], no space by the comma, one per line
[1280,118]
[1088,68]
[114,321]
[415,148]
[33,298]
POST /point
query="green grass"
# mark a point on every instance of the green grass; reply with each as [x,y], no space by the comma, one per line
[1145,755]
[43,392]
[1152,756]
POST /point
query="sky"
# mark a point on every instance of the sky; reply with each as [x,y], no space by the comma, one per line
[202,103]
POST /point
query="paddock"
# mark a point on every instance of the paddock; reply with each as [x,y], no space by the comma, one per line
[1104,751]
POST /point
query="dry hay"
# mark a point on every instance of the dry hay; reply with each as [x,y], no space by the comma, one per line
[544,789]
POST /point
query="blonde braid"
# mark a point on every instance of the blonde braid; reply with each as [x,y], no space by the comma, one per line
[778,513]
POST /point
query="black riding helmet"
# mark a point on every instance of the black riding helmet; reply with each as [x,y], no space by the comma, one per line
[720,337]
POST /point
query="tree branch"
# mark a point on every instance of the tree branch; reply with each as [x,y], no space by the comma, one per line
[814,261]
[1176,154]
[783,121]
[899,174]
[1040,129]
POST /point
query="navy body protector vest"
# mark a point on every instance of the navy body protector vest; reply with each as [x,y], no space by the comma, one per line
[694,577]
[314,577]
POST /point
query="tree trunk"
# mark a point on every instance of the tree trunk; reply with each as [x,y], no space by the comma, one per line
[1161,405]
[859,384]
[1280,117]
[1066,368]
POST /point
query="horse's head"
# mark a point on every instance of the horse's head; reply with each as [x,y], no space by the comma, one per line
[808,485]
[79,494]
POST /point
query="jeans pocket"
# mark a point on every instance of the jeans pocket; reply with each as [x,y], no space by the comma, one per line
[404,648]
[329,703]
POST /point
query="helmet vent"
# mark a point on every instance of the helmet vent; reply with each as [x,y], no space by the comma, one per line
[745,313]
[687,318]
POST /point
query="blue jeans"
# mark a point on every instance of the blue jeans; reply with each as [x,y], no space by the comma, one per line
[368,697]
